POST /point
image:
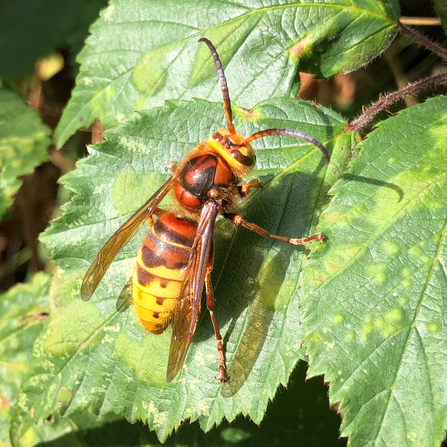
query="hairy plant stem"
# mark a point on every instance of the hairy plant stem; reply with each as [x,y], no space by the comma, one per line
[385,101]
[423,41]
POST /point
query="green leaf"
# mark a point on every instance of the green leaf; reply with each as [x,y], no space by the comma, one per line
[104,358]
[141,53]
[32,29]
[441,10]
[22,312]
[308,418]
[23,144]
[376,293]
[87,11]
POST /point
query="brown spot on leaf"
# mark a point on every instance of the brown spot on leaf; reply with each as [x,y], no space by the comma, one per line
[297,49]
[63,396]
[34,316]
[249,114]
[335,407]
[4,405]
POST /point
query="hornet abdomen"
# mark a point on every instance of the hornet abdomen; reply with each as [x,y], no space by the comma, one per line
[159,273]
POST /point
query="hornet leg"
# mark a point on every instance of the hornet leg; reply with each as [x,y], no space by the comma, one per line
[252,184]
[236,219]
[210,305]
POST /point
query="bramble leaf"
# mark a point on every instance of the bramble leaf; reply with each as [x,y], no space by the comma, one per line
[376,292]
[141,53]
[24,140]
[308,418]
[23,309]
[441,9]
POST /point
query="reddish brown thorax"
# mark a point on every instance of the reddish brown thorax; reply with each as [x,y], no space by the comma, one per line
[199,175]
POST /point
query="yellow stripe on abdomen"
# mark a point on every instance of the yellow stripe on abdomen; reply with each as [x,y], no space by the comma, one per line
[156,291]
[161,263]
[159,286]
[159,270]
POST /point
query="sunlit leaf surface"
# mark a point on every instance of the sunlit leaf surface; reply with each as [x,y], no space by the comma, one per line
[23,310]
[308,418]
[376,293]
[142,52]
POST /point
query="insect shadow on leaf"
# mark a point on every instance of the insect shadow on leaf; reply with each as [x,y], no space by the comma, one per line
[124,300]
[249,282]
[371,181]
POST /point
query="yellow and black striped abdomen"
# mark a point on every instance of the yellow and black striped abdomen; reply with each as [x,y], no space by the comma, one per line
[158,276]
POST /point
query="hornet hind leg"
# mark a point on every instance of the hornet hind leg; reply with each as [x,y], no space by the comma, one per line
[238,220]
[210,305]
